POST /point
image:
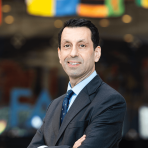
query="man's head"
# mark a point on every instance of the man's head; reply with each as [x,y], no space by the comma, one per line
[77,51]
[81,23]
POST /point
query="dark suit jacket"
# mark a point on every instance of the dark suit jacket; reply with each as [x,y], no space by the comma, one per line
[98,112]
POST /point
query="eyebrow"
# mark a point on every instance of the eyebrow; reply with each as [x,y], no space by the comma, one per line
[65,41]
[82,40]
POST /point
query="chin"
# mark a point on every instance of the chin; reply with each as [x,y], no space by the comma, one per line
[74,74]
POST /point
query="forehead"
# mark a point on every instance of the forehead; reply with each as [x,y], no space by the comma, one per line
[76,33]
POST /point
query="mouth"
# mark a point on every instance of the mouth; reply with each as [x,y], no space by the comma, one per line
[73,64]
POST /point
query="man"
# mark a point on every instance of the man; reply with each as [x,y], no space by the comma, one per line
[91,114]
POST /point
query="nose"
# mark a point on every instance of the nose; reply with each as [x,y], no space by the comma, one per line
[74,52]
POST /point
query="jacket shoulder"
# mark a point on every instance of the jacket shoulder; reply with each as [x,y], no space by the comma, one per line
[107,92]
[108,102]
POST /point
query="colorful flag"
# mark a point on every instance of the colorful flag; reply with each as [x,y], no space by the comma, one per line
[145,3]
[92,8]
[142,3]
[97,8]
[85,8]
[0,11]
[51,8]
[66,7]
[115,7]
[41,8]
[88,10]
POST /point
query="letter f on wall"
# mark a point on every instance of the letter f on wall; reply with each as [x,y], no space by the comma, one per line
[16,106]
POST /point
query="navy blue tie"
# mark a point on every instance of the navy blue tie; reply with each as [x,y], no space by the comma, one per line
[65,104]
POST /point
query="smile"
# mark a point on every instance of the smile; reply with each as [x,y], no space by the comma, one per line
[73,64]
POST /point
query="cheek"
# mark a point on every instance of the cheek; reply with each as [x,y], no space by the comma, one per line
[63,59]
[89,57]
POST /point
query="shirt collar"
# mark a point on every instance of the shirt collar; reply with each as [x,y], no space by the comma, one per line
[76,89]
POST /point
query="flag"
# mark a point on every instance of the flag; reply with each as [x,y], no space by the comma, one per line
[66,7]
[85,8]
[115,7]
[145,3]
[49,8]
[92,8]
[40,7]
[142,3]
[100,9]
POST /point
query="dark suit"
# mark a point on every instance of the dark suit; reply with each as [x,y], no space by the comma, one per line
[98,112]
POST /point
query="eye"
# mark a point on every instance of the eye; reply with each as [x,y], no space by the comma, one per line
[82,45]
[67,45]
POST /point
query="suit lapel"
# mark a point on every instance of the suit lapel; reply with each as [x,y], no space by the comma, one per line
[56,117]
[93,85]
[82,100]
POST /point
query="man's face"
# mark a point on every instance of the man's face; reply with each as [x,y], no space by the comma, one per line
[77,54]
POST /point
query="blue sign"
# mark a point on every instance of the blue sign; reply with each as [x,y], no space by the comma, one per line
[38,109]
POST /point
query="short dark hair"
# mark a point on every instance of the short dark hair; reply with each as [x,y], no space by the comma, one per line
[80,22]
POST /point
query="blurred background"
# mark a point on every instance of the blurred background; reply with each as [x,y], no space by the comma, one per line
[31,76]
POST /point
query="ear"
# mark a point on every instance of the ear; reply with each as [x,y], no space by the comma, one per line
[59,54]
[97,54]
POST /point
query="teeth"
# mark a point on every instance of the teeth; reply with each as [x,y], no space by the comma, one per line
[74,63]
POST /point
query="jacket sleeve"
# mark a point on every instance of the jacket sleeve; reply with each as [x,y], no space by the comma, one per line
[38,140]
[105,128]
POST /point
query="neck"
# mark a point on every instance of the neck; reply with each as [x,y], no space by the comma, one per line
[75,81]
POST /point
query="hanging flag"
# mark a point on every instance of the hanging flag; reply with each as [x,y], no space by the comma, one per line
[115,7]
[40,8]
[51,8]
[92,8]
[0,11]
[86,8]
[145,3]
[66,7]
[100,9]
[142,3]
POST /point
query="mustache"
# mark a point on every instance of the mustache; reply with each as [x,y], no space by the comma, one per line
[75,59]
